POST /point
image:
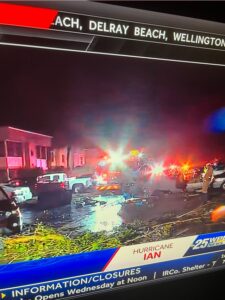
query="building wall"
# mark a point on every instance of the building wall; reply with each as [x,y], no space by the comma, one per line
[3,162]
[77,158]
[59,156]
[27,155]
[31,159]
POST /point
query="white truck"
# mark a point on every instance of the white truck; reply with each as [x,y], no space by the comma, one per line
[74,184]
[20,194]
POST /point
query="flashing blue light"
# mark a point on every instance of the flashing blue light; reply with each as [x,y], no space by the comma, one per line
[216,122]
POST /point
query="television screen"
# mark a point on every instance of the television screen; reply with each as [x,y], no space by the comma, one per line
[112,166]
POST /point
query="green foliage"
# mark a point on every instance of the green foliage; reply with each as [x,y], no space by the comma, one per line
[46,242]
[124,234]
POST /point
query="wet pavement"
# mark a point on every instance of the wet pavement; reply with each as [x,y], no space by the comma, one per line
[95,218]
[160,206]
[74,216]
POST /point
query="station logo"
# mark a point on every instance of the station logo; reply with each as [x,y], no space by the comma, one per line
[207,243]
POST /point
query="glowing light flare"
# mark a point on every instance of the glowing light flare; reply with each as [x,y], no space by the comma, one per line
[117,158]
[100,179]
[185,167]
[158,170]
[134,152]
[218,213]
[102,163]
[216,122]
[173,167]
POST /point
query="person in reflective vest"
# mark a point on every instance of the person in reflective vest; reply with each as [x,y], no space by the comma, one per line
[207,179]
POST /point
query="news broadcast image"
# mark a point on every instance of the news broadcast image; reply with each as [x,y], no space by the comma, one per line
[109,164]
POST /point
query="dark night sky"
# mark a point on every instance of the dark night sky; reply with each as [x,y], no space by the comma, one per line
[163,105]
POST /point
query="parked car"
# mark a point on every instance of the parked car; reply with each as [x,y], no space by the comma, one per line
[218,182]
[10,215]
[20,194]
[25,182]
[74,184]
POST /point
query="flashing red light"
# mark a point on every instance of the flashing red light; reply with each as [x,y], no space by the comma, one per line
[17,183]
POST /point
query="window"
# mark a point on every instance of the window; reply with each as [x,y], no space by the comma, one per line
[52,156]
[44,179]
[55,178]
[63,158]
[41,152]
[2,149]
[14,149]
[81,160]
[48,150]
[38,151]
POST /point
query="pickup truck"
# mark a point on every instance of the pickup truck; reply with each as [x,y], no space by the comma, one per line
[74,184]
